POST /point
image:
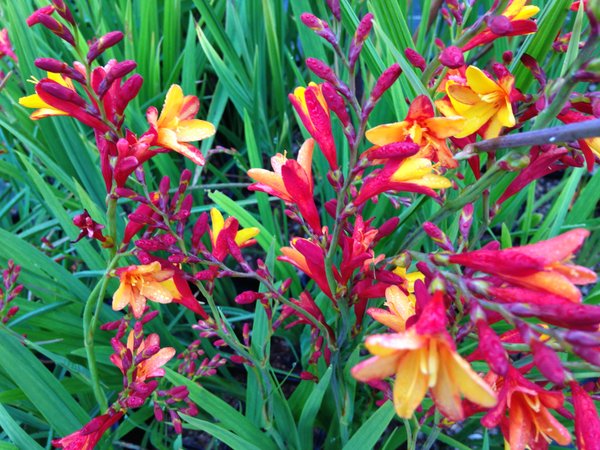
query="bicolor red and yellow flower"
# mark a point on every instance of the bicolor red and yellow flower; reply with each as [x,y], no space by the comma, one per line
[424,358]
[152,282]
[424,129]
[412,174]
[149,367]
[291,181]
[590,146]
[486,105]
[544,266]
[224,229]
[514,21]
[176,126]
[87,437]
[523,412]
[313,111]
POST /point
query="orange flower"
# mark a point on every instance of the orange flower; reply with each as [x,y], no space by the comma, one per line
[424,357]
[424,129]
[176,126]
[141,283]
[481,102]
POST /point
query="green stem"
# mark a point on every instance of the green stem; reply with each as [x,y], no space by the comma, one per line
[91,314]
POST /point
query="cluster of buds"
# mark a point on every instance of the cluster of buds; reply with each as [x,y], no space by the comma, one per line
[97,97]
[175,400]
[9,291]
[193,366]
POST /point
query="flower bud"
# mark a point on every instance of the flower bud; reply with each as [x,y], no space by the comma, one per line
[64,12]
[500,25]
[334,6]
[452,57]
[491,348]
[34,18]
[335,103]
[384,82]
[103,43]
[394,150]
[415,59]
[548,362]
[248,297]
[438,236]
[57,28]
[320,27]
[465,221]
[56,66]
[361,35]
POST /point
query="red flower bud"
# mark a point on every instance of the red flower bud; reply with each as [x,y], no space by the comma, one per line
[394,150]
[56,66]
[248,297]
[548,362]
[57,28]
[334,6]
[63,11]
[34,18]
[491,348]
[385,81]
[415,59]
[320,27]
[103,43]
[452,57]
[500,25]
[361,35]
[438,236]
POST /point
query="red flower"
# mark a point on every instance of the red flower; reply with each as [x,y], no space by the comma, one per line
[529,423]
[311,107]
[292,182]
[87,437]
[587,422]
[543,266]
[591,146]
[514,21]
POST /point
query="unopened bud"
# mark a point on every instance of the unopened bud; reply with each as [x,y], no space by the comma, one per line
[102,44]
[320,27]
[500,25]
[452,57]
[415,59]
[361,35]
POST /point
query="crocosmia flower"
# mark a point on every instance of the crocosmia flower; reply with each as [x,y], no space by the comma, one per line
[514,21]
[313,111]
[544,266]
[481,101]
[292,182]
[529,423]
[149,367]
[176,125]
[43,109]
[224,229]
[87,437]
[424,129]
[141,283]
[5,46]
[412,174]
[424,358]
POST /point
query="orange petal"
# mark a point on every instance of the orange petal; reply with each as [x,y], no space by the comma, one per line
[444,127]
[387,134]
[171,107]
[156,292]
[446,393]
[305,155]
[386,344]
[271,179]
[122,297]
[469,383]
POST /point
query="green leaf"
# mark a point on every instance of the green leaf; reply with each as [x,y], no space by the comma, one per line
[369,433]
[225,436]
[41,388]
[311,408]
[229,418]
[15,433]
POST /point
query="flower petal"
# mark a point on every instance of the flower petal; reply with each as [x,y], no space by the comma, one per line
[194,130]
[376,368]
[410,385]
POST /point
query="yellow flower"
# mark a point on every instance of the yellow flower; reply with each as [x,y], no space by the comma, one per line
[420,171]
[141,283]
[482,101]
[43,109]
[424,358]
[176,126]
[400,308]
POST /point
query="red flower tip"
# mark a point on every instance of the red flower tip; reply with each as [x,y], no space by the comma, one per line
[452,57]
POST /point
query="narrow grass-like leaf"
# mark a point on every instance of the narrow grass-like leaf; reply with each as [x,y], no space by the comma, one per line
[369,433]
[15,433]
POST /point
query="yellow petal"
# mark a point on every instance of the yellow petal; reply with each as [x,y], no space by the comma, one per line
[479,81]
[245,235]
[445,127]
[387,344]
[33,101]
[445,392]
[157,292]
[217,221]
[412,168]
[527,12]
[410,385]
[122,297]
[476,117]
[171,107]
[433,181]
[469,383]
[167,138]
[513,8]
[505,114]
[194,130]
[462,98]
